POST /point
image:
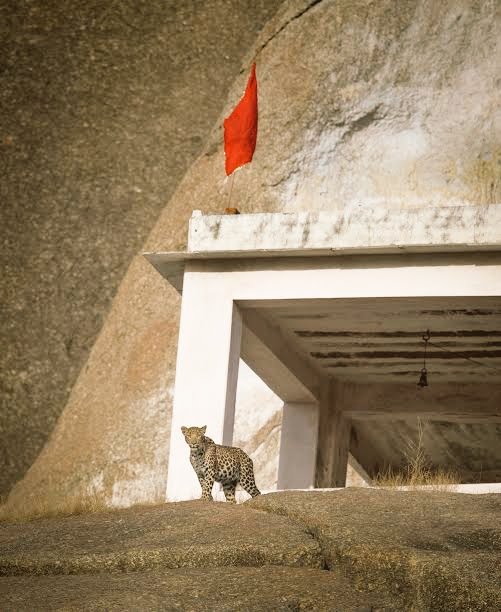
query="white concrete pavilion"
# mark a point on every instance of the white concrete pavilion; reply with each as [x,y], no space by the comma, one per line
[329,310]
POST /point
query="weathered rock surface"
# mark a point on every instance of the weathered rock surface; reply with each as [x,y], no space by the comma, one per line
[361,103]
[379,550]
[226,589]
[102,109]
[186,534]
[438,551]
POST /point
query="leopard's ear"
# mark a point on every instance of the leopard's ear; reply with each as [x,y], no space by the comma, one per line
[184,429]
[202,429]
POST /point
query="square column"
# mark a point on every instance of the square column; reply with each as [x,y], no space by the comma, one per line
[298,446]
[206,377]
[333,438]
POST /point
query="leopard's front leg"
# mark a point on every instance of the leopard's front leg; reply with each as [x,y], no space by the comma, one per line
[209,477]
[195,464]
[200,477]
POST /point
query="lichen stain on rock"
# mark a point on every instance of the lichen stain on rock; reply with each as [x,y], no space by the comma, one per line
[483,178]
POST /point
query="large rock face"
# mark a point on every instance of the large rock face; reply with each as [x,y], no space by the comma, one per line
[102,109]
[361,103]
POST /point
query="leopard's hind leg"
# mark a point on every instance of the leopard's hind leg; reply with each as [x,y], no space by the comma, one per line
[247,481]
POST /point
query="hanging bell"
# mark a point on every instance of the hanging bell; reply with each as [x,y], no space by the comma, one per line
[423,379]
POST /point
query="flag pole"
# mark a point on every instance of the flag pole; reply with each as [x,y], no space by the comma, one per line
[231,188]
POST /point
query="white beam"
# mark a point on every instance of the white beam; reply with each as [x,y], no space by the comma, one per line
[269,353]
[438,275]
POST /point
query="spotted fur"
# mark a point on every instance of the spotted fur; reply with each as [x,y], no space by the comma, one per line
[225,464]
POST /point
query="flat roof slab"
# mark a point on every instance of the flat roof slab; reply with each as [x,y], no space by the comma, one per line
[361,229]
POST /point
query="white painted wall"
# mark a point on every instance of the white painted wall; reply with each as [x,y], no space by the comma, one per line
[206,377]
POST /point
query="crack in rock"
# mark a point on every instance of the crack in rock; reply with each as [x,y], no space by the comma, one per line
[282,28]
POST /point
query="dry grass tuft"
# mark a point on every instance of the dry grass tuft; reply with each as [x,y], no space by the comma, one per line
[34,510]
[417,471]
[48,509]
[439,480]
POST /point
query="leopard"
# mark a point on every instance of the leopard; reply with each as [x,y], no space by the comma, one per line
[227,465]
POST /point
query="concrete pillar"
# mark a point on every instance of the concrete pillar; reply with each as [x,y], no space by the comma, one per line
[333,439]
[206,377]
[298,446]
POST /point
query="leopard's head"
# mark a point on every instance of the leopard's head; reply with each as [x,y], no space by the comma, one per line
[194,436]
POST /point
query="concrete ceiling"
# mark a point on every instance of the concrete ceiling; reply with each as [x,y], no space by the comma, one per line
[380,340]
[371,341]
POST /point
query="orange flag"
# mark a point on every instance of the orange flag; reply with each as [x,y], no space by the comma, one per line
[240,128]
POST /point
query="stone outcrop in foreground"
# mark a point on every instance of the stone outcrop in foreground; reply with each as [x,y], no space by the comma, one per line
[434,551]
[347,550]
